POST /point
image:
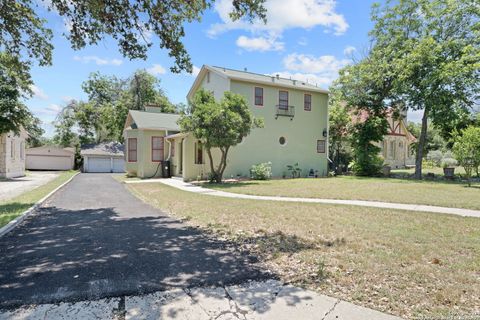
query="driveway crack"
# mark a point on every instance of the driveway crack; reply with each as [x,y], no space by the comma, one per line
[331,309]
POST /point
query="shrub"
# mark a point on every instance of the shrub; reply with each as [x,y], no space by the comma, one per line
[449,162]
[466,148]
[435,156]
[295,170]
[261,171]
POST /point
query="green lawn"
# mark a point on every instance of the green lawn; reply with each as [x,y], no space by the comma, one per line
[404,263]
[12,208]
[438,193]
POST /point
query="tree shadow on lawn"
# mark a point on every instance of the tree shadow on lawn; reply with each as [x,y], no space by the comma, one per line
[70,255]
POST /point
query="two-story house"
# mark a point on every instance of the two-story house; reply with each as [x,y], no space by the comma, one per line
[295,129]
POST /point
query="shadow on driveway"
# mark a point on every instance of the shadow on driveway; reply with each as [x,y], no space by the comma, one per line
[68,255]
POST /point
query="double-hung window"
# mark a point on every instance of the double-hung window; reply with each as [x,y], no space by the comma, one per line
[307,102]
[132,149]
[157,149]
[283,100]
[258,96]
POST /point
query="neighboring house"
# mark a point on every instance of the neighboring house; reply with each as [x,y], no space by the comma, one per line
[103,157]
[12,154]
[295,129]
[397,144]
[50,158]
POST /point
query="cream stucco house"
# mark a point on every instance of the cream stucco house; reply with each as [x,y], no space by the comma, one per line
[12,154]
[295,129]
[396,147]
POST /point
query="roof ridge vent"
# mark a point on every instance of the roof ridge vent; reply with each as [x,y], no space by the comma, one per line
[273,79]
[277,76]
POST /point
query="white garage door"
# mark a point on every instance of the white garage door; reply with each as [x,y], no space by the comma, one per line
[118,165]
[39,162]
[98,165]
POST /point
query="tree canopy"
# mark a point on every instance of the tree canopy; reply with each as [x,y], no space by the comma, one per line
[425,55]
[24,34]
[219,125]
[103,116]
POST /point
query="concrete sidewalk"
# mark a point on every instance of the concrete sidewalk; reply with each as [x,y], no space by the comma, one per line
[16,186]
[179,184]
[253,300]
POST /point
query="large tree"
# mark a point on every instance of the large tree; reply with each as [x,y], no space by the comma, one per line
[434,47]
[24,34]
[219,125]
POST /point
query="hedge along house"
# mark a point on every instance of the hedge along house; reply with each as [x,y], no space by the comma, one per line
[295,129]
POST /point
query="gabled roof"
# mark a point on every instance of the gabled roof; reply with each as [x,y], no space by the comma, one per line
[102,149]
[271,80]
[152,120]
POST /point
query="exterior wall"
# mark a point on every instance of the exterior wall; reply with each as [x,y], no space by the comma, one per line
[217,84]
[11,167]
[262,145]
[144,167]
[49,158]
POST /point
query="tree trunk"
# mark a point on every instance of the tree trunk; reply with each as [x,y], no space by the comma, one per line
[421,145]
[212,167]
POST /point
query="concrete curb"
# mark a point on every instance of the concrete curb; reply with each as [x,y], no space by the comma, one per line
[15,222]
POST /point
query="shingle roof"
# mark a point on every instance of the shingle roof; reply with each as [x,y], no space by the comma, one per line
[102,149]
[155,120]
[269,79]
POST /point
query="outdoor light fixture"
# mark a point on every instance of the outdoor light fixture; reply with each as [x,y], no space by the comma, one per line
[325,133]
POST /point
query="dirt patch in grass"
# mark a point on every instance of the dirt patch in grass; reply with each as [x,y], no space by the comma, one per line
[404,263]
[14,207]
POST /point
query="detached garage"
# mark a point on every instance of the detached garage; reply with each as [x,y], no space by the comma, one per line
[103,157]
[50,158]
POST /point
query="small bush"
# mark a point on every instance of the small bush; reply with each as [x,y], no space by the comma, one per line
[449,163]
[435,156]
[261,171]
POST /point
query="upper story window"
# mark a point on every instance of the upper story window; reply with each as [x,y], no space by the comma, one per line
[283,100]
[208,77]
[157,149]
[258,96]
[307,102]
[22,150]
[12,149]
[132,149]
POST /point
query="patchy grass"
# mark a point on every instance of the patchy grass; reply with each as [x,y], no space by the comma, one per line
[405,263]
[438,193]
[14,207]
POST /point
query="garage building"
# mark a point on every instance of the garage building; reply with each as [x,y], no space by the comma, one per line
[50,158]
[103,157]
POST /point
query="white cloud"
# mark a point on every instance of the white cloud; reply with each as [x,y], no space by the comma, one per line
[67,99]
[38,92]
[51,110]
[322,70]
[156,70]
[195,71]
[259,44]
[348,51]
[98,61]
[283,15]
[309,63]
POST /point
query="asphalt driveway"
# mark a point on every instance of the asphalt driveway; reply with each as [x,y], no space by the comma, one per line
[93,239]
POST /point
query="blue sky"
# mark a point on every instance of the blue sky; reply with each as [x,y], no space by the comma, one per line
[305,39]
